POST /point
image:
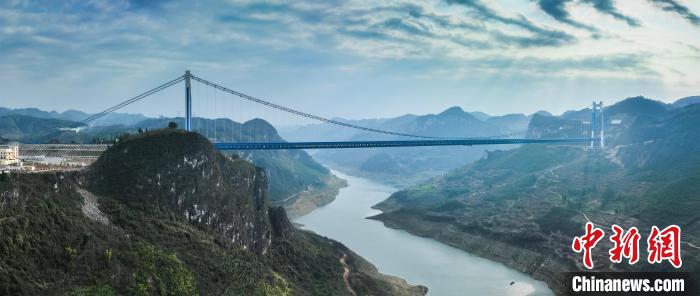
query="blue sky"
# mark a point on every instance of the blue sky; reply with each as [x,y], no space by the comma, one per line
[353,59]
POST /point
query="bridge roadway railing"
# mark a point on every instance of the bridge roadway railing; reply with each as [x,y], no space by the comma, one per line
[64,147]
[94,150]
[379,144]
[62,150]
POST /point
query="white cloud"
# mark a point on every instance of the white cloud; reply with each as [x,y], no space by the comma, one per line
[418,39]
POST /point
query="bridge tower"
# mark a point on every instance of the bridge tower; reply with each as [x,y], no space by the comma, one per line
[599,108]
[593,124]
[602,125]
[188,101]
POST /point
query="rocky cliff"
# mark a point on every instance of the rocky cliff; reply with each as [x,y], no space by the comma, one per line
[183,173]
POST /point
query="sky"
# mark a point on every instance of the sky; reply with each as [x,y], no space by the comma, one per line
[350,59]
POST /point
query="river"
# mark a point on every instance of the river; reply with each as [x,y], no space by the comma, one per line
[443,269]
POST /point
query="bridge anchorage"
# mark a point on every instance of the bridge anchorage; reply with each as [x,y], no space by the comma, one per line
[413,140]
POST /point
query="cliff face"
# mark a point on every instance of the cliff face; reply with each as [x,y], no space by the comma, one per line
[183,173]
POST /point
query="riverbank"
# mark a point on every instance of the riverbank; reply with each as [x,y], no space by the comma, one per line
[534,264]
[306,201]
[356,269]
[444,269]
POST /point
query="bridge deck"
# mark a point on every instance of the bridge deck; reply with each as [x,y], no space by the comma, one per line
[378,144]
[31,149]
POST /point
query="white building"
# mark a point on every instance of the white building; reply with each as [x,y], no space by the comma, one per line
[9,154]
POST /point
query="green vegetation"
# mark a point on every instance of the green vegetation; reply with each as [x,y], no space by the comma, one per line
[533,200]
[161,273]
[102,290]
[153,188]
[27,128]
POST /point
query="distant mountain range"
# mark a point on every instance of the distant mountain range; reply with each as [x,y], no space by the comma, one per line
[326,132]
[25,127]
[406,166]
[680,103]
[75,115]
[397,166]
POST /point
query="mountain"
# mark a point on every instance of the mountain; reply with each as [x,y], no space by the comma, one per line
[33,112]
[75,115]
[634,105]
[637,106]
[524,206]
[326,131]
[556,127]
[452,122]
[167,214]
[290,171]
[480,115]
[542,113]
[581,115]
[512,122]
[23,127]
[407,166]
[680,103]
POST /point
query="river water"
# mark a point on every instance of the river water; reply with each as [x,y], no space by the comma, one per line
[443,269]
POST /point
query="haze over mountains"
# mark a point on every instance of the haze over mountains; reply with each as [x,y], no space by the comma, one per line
[76,115]
[405,166]
[408,166]
[397,166]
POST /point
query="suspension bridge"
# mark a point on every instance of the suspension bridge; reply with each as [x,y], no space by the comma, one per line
[231,142]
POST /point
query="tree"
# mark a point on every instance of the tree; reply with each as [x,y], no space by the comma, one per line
[172,124]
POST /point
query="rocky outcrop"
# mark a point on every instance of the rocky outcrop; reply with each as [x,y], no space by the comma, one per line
[182,172]
[281,227]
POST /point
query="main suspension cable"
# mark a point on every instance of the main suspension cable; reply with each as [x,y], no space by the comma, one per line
[307,115]
[124,104]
